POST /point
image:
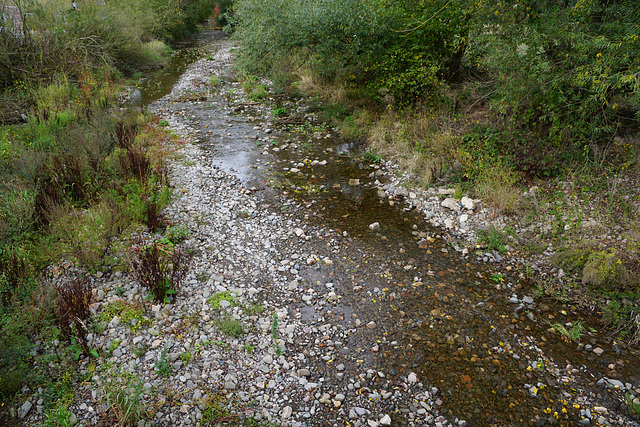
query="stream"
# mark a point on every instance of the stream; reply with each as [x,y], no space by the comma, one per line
[476,334]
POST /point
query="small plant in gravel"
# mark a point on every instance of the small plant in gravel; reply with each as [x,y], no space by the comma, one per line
[280,111]
[248,347]
[633,403]
[215,299]
[497,277]
[131,316]
[163,365]
[160,269]
[372,157]
[58,417]
[186,356]
[231,327]
[254,309]
[122,401]
[214,81]
[73,302]
[574,334]
[493,238]
[274,334]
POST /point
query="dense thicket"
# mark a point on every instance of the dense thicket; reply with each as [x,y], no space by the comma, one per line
[564,73]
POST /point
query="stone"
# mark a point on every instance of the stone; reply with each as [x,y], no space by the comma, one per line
[451,203]
[304,373]
[286,412]
[386,420]
[24,409]
[468,203]
[412,377]
[598,351]
[371,325]
[375,226]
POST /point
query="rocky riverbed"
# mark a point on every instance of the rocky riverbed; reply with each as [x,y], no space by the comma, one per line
[309,303]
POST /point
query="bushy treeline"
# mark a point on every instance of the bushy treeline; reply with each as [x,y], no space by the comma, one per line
[565,72]
[41,41]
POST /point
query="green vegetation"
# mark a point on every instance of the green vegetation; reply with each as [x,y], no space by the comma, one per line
[494,239]
[573,334]
[122,398]
[75,179]
[231,327]
[489,97]
[215,299]
[163,365]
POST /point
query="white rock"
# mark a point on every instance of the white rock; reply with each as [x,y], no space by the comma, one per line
[468,203]
[286,412]
[451,204]
[375,226]
[386,420]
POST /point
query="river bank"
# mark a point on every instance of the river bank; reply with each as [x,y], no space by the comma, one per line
[299,310]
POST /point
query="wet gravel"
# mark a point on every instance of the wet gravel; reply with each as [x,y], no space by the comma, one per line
[368,319]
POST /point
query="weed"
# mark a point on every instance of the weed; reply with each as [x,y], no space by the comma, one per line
[248,347]
[73,302]
[139,350]
[274,334]
[278,112]
[573,334]
[130,316]
[254,309]
[372,157]
[231,327]
[114,345]
[494,239]
[163,365]
[186,356]
[163,123]
[497,277]
[216,298]
[177,234]
[160,269]
[58,417]
[216,413]
[214,81]
[633,403]
[497,185]
[122,401]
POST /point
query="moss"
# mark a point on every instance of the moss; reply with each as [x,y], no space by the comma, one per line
[231,327]
[215,299]
[572,260]
[604,270]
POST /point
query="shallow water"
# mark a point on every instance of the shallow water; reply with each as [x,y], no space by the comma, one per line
[444,317]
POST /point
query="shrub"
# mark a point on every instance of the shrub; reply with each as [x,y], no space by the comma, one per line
[160,269]
[74,298]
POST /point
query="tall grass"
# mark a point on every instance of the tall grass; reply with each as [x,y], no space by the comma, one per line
[72,176]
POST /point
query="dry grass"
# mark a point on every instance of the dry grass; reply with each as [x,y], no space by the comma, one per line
[334,91]
[497,186]
[419,143]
